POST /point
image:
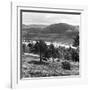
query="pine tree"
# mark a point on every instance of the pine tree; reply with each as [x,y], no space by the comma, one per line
[40,47]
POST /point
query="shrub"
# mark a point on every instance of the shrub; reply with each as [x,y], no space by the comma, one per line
[72,54]
[66,65]
[67,56]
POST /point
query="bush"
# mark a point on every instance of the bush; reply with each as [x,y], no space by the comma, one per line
[67,56]
[72,54]
[66,65]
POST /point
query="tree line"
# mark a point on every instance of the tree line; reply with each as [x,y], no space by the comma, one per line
[49,51]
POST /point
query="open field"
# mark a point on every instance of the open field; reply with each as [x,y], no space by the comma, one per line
[31,67]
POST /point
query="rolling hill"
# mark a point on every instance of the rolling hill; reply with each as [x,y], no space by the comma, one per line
[60,32]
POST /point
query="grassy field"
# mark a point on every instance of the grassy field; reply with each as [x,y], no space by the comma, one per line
[31,67]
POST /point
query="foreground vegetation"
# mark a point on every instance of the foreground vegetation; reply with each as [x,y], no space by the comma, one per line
[33,68]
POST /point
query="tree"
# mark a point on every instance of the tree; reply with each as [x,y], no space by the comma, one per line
[52,51]
[36,47]
[23,48]
[68,53]
[40,47]
[30,45]
[75,56]
[47,53]
[43,48]
[76,41]
[75,53]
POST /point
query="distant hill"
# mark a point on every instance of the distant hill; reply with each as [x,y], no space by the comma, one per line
[60,28]
[60,32]
[33,26]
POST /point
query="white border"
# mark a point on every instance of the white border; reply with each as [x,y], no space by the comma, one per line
[16,82]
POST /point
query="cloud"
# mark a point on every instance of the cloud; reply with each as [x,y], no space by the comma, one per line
[49,18]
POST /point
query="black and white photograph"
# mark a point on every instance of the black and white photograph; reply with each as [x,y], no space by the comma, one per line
[50,44]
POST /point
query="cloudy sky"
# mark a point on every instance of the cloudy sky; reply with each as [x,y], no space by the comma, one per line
[49,18]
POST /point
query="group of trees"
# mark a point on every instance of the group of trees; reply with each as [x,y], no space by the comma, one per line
[47,51]
[73,54]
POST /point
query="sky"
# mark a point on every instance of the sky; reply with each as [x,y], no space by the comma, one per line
[49,18]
